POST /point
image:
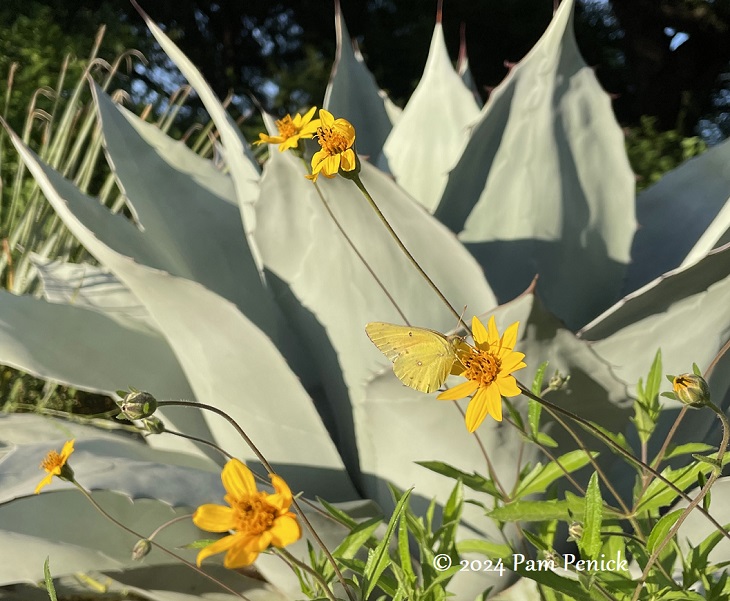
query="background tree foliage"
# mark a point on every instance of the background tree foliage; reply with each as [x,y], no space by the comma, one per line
[280,51]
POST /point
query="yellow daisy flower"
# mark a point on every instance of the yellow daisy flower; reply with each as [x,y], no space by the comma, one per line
[291,130]
[336,137]
[255,519]
[488,367]
[55,465]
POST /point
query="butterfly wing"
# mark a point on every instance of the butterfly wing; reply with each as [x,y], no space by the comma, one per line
[422,359]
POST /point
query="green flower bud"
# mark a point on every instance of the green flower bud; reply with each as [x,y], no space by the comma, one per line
[137,405]
[141,548]
[691,389]
[153,425]
[575,531]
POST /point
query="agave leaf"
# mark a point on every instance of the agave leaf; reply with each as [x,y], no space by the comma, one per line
[92,287]
[430,135]
[352,93]
[684,313]
[325,289]
[682,217]
[41,526]
[30,334]
[229,362]
[544,186]
[192,230]
[102,461]
[390,410]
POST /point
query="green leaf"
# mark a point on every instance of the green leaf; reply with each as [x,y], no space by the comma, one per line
[378,558]
[473,481]
[686,449]
[646,406]
[543,476]
[404,553]
[590,542]
[451,517]
[659,495]
[661,528]
[357,539]
[48,580]
[484,547]
[531,511]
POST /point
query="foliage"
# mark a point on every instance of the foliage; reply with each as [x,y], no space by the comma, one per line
[653,153]
[245,290]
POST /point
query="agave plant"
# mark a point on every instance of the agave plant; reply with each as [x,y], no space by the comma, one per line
[235,287]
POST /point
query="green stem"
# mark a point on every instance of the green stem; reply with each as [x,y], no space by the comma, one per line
[358,182]
[269,469]
[693,503]
[293,561]
[621,451]
[116,522]
[359,255]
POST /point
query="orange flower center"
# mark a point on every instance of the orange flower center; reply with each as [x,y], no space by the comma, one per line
[481,367]
[286,126]
[253,514]
[332,141]
[52,461]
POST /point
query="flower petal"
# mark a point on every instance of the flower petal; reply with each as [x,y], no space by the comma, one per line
[326,117]
[507,386]
[479,331]
[331,165]
[477,410]
[494,403]
[217,547]
[45,482]
[349,161]
[243,552]
[308,115]
[282,498]
[214,518]
[509,338]
[285,531]
[459,392]
[238,479]
[512,361]
[493,332]
[66,451]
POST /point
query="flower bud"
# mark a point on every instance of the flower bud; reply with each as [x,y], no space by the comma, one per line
[575,531]
[137,405]
[558,381]
[153,425]
[141,548]
[691,389]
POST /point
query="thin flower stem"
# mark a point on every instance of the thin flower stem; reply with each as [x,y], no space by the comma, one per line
[358,182]
[623,452]
[351,244]
[191,565]
[293,561]
[663,450]
[161,527]
[599,471]
[203,441]
[694,503]
[490,467]
[269,469]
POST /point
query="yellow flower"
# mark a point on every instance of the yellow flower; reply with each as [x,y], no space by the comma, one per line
[256,519]
[55,465]
[292,130]
[487,367]
[336,137]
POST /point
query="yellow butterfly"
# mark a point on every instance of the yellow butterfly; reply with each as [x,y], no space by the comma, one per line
[422,359]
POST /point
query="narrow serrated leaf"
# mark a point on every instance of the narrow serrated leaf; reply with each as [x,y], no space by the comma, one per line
[543,476]
[662,527]
[590,542]
[378,558]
